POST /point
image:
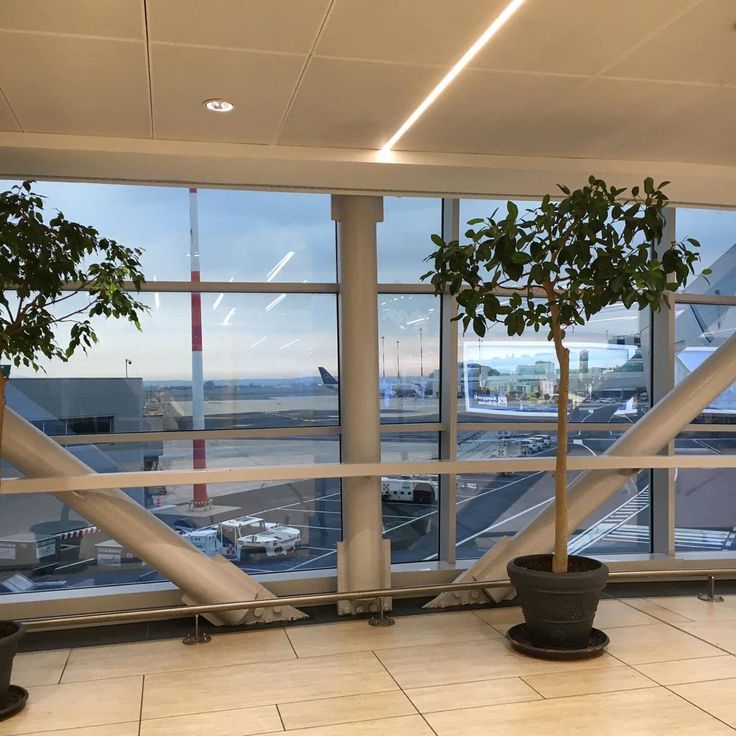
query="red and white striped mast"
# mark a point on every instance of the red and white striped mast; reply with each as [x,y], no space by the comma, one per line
[199,452]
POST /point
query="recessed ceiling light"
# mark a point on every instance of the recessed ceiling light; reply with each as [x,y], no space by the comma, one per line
[219,105]
[466,58]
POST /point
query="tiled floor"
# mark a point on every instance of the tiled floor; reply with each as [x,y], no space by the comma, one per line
[670,668]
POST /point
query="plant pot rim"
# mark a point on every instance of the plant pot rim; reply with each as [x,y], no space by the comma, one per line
[20,630]
[600,567]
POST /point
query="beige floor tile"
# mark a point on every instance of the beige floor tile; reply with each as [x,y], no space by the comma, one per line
[471,694]
[170,655]
[606,680]
[115,729]
[403,726]
[647,712]
[690,670]
[716,697]
[348,709]
[39,668]
[77,705]
[611,614]
[650,606]
[696,610]
[357,636]
[268,683]
[468,661]
[656,643]
[719,633]
[240,722]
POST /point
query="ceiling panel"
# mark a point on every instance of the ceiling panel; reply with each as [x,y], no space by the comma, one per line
[482,111]
[260,85]
[700,47]
[110,18]
[407,31]
[261,25]
[7,120]
[355,103]
[76,85]
[606,117]
[574,36]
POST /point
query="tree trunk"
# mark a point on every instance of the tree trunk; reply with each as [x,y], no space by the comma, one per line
[559,561]
[3,383]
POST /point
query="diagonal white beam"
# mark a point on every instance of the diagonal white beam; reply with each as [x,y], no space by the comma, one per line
[661,424]
[201,579]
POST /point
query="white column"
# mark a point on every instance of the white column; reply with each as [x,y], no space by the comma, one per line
[363,557]
[201,579]
[664,421]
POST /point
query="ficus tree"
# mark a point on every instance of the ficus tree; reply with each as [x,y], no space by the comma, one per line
[55,273]
[557,265]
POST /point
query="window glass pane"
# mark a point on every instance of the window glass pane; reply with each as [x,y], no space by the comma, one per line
[497,505]
[44,544]
[700,329]
[409,357]
[404,238]
[515,379]
[155,219]
[705,513]
[266,236]
[716,231]
[410,503]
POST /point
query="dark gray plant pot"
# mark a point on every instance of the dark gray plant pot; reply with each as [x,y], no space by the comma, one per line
[11,632]
[558,608]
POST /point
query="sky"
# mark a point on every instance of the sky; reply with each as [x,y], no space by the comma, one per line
[281,237]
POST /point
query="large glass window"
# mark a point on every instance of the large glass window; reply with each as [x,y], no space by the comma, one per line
[716,231]
[515,379]
[409,357]
[404,238]
[496,505]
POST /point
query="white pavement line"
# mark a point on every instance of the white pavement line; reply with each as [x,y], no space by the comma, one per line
[296,503]
[506,520]
[310,561]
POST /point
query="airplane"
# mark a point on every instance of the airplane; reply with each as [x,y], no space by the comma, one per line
[388,389]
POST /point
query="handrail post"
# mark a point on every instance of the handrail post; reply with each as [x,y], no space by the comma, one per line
[710,596]
[383,619]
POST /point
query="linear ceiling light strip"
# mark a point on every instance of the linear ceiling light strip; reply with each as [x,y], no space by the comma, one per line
[467,57]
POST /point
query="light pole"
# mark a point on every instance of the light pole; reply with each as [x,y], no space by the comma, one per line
[383,356]
[398,362]
[421,355]
[128,362]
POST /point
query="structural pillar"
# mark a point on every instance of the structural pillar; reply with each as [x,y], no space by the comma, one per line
[363,556]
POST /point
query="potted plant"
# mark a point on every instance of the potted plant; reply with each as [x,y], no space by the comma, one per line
[53,273]
[554,267]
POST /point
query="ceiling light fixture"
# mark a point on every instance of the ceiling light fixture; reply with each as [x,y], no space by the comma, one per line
[218,105]
[467,57]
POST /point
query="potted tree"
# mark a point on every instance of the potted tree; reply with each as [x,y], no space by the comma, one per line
[554,267]
[53,274]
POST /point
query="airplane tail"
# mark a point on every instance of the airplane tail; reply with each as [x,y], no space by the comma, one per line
[327,378]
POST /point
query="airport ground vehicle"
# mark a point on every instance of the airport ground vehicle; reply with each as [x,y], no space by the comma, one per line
[409,489]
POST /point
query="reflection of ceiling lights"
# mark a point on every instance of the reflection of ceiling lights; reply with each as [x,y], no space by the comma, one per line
[219,105]
[467,57]
[275,270]
[276,301]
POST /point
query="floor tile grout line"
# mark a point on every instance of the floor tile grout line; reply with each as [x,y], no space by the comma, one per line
[285,629]
[528,684]
[695,705]
[63,669]
[654,616]
[403,692]
[281,717]
[140,710]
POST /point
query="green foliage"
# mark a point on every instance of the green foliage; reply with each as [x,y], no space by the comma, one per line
[566,260]
[46,262]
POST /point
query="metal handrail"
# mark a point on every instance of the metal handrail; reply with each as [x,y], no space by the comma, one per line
[325,598]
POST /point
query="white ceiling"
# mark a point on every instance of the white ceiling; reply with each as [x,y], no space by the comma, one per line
[623,79]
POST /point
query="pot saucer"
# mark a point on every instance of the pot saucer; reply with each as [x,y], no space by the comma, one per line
[17,698]
[519,639]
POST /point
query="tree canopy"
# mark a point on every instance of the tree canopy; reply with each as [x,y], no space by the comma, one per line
[44,264]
